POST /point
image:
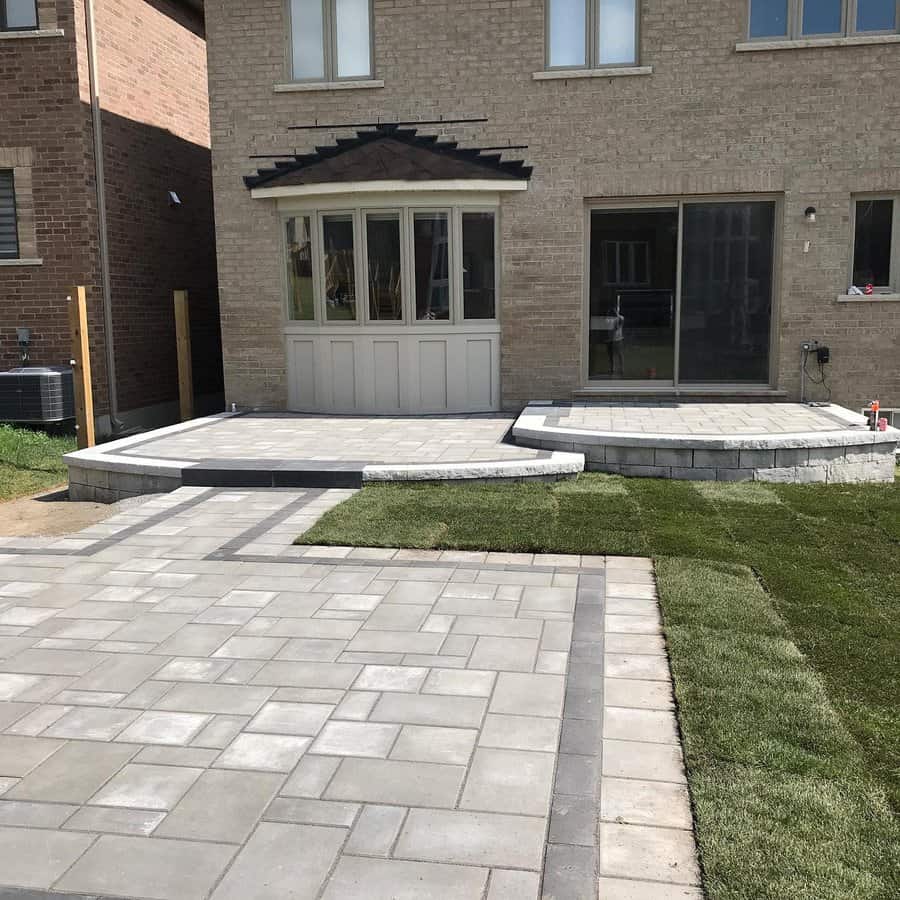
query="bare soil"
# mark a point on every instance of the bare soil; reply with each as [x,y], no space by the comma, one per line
[50,513]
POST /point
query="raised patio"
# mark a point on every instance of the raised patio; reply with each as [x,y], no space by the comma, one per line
[786,442]
[776,442]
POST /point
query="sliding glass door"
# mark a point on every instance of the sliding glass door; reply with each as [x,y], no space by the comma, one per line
[681,293]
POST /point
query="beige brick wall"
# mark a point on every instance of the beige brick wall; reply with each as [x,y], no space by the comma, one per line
[813,125]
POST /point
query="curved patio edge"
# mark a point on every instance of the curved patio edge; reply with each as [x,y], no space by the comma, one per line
[849,452]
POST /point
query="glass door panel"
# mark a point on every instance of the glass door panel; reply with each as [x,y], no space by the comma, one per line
[726,292]
[633,275]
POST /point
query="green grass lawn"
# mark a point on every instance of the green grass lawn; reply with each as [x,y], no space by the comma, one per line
[781,606]
[31,461]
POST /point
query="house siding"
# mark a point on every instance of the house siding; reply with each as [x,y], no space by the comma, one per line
[812,126]
[154,102]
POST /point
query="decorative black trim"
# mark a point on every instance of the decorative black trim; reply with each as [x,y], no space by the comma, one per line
[480,162]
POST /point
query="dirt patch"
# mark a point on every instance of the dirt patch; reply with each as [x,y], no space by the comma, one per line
[51,513]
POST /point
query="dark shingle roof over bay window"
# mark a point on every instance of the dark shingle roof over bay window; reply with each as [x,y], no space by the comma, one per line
[389,153]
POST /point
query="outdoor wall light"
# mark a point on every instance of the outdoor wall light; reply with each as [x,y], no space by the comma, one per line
[810,214]
[174,199]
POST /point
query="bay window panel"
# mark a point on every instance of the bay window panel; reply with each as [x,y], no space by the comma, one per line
[567,27]
[301,294]
[873,240]
[876,15]
[616,32]
[384,267]
[822,17]
[339,267]
[307,39]
[431,251]
[479,265]
[353,41]
[768,18]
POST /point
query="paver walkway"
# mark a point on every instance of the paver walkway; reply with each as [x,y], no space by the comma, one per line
[191,707]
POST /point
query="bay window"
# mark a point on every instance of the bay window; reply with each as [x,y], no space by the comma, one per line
[591,33]
[412,265]
[330,40]
[795,19]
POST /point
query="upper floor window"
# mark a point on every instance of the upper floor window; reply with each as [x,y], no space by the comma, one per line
[18,15]
[592,33]
[9,238]
[792,19]
[330,39]
[876,244]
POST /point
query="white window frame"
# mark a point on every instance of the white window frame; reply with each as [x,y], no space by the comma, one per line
[406,209]
[400,212]
[495,212]
[329,38]
[794,28]
[894,275]
[592,39]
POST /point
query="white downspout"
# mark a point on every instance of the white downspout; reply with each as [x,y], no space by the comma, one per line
[97,127]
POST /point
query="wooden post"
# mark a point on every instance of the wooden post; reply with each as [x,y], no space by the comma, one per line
[183,343]
[81,368]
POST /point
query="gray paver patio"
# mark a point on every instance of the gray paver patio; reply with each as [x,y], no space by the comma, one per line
[189,710]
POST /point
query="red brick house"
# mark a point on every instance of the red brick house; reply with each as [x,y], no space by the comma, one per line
[105,180]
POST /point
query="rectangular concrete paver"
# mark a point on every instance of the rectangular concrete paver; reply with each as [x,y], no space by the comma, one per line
[191,707]
[34,858]
[148,867]
[356,878]
[282,860]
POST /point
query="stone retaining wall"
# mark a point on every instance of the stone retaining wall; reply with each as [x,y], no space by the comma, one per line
[802,465]
[103,486]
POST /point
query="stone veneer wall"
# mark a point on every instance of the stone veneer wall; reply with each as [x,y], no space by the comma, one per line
[800,465]
[811,126]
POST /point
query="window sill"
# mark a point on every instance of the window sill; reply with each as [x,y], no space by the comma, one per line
[20,262]
[868,298]
[39,33]
[611,72]
[804,43]
[295,86]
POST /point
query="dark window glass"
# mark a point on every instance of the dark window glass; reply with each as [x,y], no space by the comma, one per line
[385,283]
[300,272]
[432,264]
[633,260]
[18,15]
[9,240]
[876,15]
[479,277]
[822,16]
[768,18]
[726,292]
[340,267]
[872,243]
